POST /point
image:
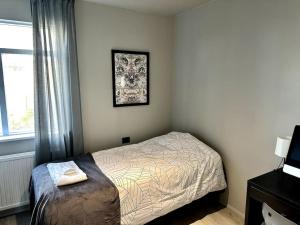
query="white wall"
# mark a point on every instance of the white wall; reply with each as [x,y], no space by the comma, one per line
[100,29]
[15,10]
[237,82]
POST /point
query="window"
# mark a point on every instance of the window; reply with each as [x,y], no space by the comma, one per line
[16,78]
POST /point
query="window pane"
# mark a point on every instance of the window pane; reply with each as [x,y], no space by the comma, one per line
[18,83]
[15,36]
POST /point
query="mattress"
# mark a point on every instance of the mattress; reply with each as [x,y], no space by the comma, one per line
[160,175]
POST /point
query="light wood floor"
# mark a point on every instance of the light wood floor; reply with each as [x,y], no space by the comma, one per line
[222,216]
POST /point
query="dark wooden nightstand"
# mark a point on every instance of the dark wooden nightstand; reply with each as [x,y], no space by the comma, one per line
[279,190]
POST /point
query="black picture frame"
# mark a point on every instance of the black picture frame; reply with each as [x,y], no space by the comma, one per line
[126,52]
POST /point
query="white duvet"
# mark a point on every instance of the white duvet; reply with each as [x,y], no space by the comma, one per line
[160,175]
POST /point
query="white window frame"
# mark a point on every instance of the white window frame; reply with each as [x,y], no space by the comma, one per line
[3,108]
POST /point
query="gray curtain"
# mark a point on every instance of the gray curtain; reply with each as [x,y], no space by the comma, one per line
[58,121]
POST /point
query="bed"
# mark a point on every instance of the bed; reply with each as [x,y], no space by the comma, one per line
[152,178]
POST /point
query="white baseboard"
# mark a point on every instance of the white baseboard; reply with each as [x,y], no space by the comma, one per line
[236,211]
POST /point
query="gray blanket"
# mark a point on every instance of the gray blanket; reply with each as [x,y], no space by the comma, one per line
[92,202]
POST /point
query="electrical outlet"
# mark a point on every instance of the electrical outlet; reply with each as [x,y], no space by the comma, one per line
[125,140]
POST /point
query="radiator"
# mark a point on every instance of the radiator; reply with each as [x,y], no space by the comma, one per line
[15,172]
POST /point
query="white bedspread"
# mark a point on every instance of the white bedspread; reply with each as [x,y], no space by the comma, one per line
[160,175]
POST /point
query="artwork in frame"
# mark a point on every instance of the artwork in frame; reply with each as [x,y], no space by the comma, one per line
[130,71]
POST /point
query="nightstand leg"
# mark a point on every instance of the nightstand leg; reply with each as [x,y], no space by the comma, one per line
[253,214]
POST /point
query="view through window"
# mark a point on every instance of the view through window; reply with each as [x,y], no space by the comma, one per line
[16,78]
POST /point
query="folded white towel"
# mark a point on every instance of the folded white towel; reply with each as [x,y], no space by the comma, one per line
[66,173]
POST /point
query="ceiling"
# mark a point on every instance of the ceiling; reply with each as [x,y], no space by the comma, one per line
[164,7]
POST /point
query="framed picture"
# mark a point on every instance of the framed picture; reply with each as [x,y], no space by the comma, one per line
[130,73]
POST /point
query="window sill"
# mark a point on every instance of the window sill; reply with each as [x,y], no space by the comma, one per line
[19,137]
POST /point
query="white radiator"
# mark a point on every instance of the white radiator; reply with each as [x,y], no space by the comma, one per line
[15,172]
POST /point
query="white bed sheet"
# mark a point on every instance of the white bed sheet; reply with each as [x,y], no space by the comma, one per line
[160,175]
